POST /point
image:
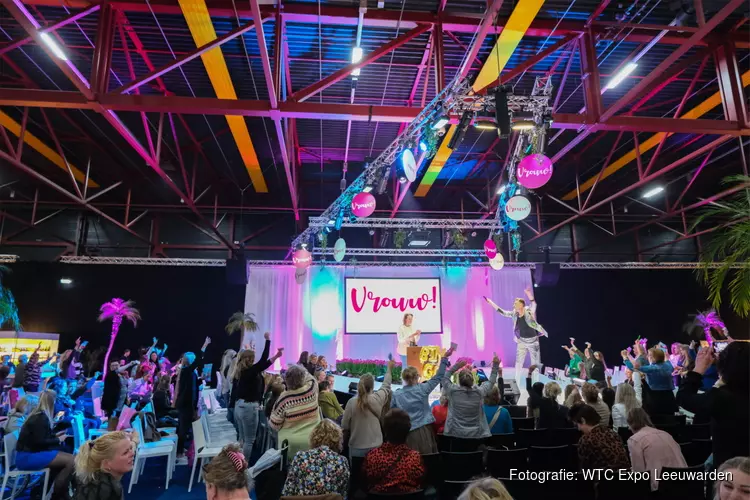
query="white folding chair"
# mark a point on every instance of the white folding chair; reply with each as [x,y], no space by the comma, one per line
[145,451]
[79,435]
[219,383]
[149,408]
[202,451]
[10,441]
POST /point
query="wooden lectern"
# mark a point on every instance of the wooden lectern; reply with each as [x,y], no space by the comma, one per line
[426,359]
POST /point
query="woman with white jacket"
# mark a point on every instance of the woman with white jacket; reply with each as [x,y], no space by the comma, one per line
[627,397]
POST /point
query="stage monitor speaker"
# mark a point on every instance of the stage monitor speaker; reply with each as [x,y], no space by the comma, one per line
[236,272]
[353,387]
[502,114]
[546,274]
[510,391]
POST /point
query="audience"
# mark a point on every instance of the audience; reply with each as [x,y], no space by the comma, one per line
[737,485]
[600,447]
[394,467]
[413,398]
[650,448]
[727,405]
[487,488]
[572,395]
[551,414]
[328,402]
[226,475]
[162,406]
[115,392]
[364,411]
[100,465]
[20,375]
[660,399]
[39,447]
[591,397]
[498,418]
[321,469]
[626,399]
[296,412]
[466,417]
[186,397]
[17,417]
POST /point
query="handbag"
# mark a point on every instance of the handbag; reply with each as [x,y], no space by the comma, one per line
[495,417]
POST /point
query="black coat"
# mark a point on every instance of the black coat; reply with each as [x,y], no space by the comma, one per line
[36,435]
[111,393]
[729,410]
[551,414]
[187,391]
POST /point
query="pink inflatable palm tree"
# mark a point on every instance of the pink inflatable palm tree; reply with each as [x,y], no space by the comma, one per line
[116,310]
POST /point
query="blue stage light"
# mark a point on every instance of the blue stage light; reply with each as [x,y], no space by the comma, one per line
[422,146]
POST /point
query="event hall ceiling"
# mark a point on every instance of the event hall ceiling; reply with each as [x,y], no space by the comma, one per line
[178,128]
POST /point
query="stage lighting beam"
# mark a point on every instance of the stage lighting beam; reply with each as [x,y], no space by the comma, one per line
[621,75]
[653,191]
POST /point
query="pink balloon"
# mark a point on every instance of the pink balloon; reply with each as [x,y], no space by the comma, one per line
[363,205]
[490,249]
[534,171]
[302,259]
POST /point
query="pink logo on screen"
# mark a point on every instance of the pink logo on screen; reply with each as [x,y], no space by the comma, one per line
[363,205]
[534,171]
[361,299]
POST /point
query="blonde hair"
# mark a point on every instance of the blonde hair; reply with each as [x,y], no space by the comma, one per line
[487,488]
[466,379]
[327,433]
[572,395]
[47,405]
[410,376]
[364,388]
[91,454]
[491,399]
[552,390]
[657,354]
[227,358]
[245,360]
[222,472]
[626,395]
[590,393]
[26,404]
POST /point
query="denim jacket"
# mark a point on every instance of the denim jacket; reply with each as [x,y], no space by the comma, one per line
[413,399]
[530,316]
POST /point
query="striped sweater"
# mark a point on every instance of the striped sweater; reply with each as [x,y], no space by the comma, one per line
[296,407]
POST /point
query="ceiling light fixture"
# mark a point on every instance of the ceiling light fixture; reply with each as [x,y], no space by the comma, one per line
[653,191]
[66,281]
[441,122]
[49,42]
[485,125]
[523,125]
[356,57]
[621,75]
[501,189]
[367,189]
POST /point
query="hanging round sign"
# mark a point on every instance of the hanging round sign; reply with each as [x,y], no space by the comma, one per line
[409,164]
[302,259]
[363,204]
[497,262]
[339,250]
[518,207]
[490,249]
[534,171]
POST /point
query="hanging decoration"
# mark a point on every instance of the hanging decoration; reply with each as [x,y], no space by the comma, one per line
[409,165]
[399,237]
[497,262]
[534,171]
[490,249]
[302,258]
[363,204]
[339,250]
[515,241]
[518,208]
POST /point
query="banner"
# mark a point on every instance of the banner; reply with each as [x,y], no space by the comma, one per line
[378,305]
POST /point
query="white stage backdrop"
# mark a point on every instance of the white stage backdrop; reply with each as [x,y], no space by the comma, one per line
[311,316]
[375,305]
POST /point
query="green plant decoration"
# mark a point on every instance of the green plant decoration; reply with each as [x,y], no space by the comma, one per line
[241,322]
[8,308]
[459,238]
[399,237]
[729,247]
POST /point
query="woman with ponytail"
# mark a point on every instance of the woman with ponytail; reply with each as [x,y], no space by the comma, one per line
[363,413]
[100,465]
[226,476]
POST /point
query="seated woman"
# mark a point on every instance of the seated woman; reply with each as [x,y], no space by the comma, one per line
[140,389]
[466,417]
[21,411]
[39,448]
[328,402]
[296,412]
[552,415]
[394,467]
[736,483]
[162,399]
[101,464]
[626,398]
[321,469]
[498,418]
[600,447]
[651,449]
[226,475]
[440,413]
[591,397]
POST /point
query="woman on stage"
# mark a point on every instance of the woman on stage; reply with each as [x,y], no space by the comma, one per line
[526,330]
[407,336]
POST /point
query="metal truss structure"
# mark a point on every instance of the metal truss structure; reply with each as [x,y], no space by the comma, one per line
[408,223]
[8,259]
[406,252]
[121,145]
[143,261]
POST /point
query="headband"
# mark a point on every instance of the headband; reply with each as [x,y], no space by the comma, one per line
[238,459]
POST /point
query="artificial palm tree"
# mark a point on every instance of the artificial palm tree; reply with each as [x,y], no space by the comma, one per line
[116,310]
[725,259]
[241,322]
[8,308]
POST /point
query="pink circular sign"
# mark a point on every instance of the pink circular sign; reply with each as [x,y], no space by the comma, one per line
[518,208]
[302,259]
[534,171]
[363,205]
[490,249]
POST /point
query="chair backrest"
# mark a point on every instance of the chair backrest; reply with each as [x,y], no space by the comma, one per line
[219,384]
[530,437]
[460,466]
[549,457]
[563,435]
[97,402]
[499,462]
[10,441]
[149,408]
[516,411]
[78,433]
[625,433]
[206,428]
[138,429]
[684,489]
[522,423]
[433,469]
[500,441]
[199,438]
[697,431]
[414,495]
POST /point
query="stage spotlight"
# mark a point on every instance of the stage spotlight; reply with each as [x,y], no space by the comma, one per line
[372,232]
[653,191]
[422,146]
[327,229]
[49,42]
[356,57]
[519,125]
[367,189]
[463,125]
[66,281]
[383,184]
[502,114]
[501,189]
[485,124]
[441,122]
[406,169]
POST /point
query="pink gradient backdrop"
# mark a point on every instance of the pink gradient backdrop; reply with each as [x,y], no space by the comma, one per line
[310,316]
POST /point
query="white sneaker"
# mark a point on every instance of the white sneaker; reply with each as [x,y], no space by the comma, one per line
[181,461]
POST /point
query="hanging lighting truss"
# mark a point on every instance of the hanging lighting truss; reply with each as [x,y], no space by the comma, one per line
[405,223]
[407,252]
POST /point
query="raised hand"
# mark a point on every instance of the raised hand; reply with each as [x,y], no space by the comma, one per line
[279,352]
[495,359]
[449,353]
[527,290]
[267,336]
[391,364]
[572,341]
[624,353]
[588,344]
[78,341]
[531,369]
[156,341]
[459,365]
[703,360]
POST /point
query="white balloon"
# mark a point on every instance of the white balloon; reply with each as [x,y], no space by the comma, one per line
[498,262]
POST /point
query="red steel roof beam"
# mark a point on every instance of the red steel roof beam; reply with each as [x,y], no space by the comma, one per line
[730,84]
